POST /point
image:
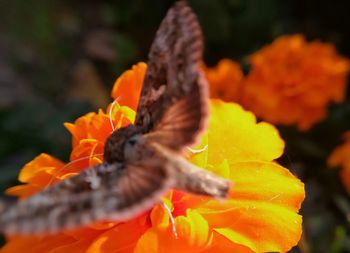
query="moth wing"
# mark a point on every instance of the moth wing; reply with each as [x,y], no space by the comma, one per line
[104,192]
[179,125]
[174,88]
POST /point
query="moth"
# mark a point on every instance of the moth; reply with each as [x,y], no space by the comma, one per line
[144,160]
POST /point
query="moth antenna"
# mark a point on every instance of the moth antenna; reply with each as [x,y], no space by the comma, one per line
[171,217]
[69,164]
[197,151]
[110,113]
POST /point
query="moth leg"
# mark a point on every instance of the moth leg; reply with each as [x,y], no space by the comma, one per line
[172,220]
[198,151]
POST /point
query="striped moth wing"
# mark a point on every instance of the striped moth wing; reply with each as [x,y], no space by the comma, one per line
[173,106]
[106,192]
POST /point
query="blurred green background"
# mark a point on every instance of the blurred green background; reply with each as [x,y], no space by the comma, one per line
[60,58]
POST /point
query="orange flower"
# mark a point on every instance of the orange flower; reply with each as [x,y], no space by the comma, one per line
[225,80]
[260,214]
[340,157]
[292,81]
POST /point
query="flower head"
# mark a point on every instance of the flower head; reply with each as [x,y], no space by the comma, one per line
[260,215]
[292,81]
[340,157]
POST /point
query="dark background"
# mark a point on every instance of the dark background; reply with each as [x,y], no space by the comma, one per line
[60,58]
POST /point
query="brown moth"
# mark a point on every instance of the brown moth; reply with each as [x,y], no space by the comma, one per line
[144,160]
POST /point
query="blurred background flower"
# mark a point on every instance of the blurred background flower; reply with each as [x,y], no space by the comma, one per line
[225,80]
[340,158]
[292,81]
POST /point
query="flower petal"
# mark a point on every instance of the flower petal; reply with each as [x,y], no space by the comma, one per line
[128,86]
[23,191]
[43,162]
[223,245]
[76,247]
[340,157]
[225,80]
[120,239]
[36,244]
[234,135]
[193,235]
[262,210]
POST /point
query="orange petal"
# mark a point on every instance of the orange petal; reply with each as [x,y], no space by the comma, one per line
[225,80]
[235,135]
[37,244]
[266,181]
[263,227]
[79,128]
[194,229]
[159,216]
[262,210]
[23,191]
[128,86]
[121,115]
[193,235]
[86,151]
[149,242]
[340,157]
[19,244]
[99,126]
[76,247]
[43,162]
[120,239]
[223,245]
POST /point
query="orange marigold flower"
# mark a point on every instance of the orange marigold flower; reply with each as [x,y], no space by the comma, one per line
[292,81]
[340,157]
[225,80]
[260,215]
